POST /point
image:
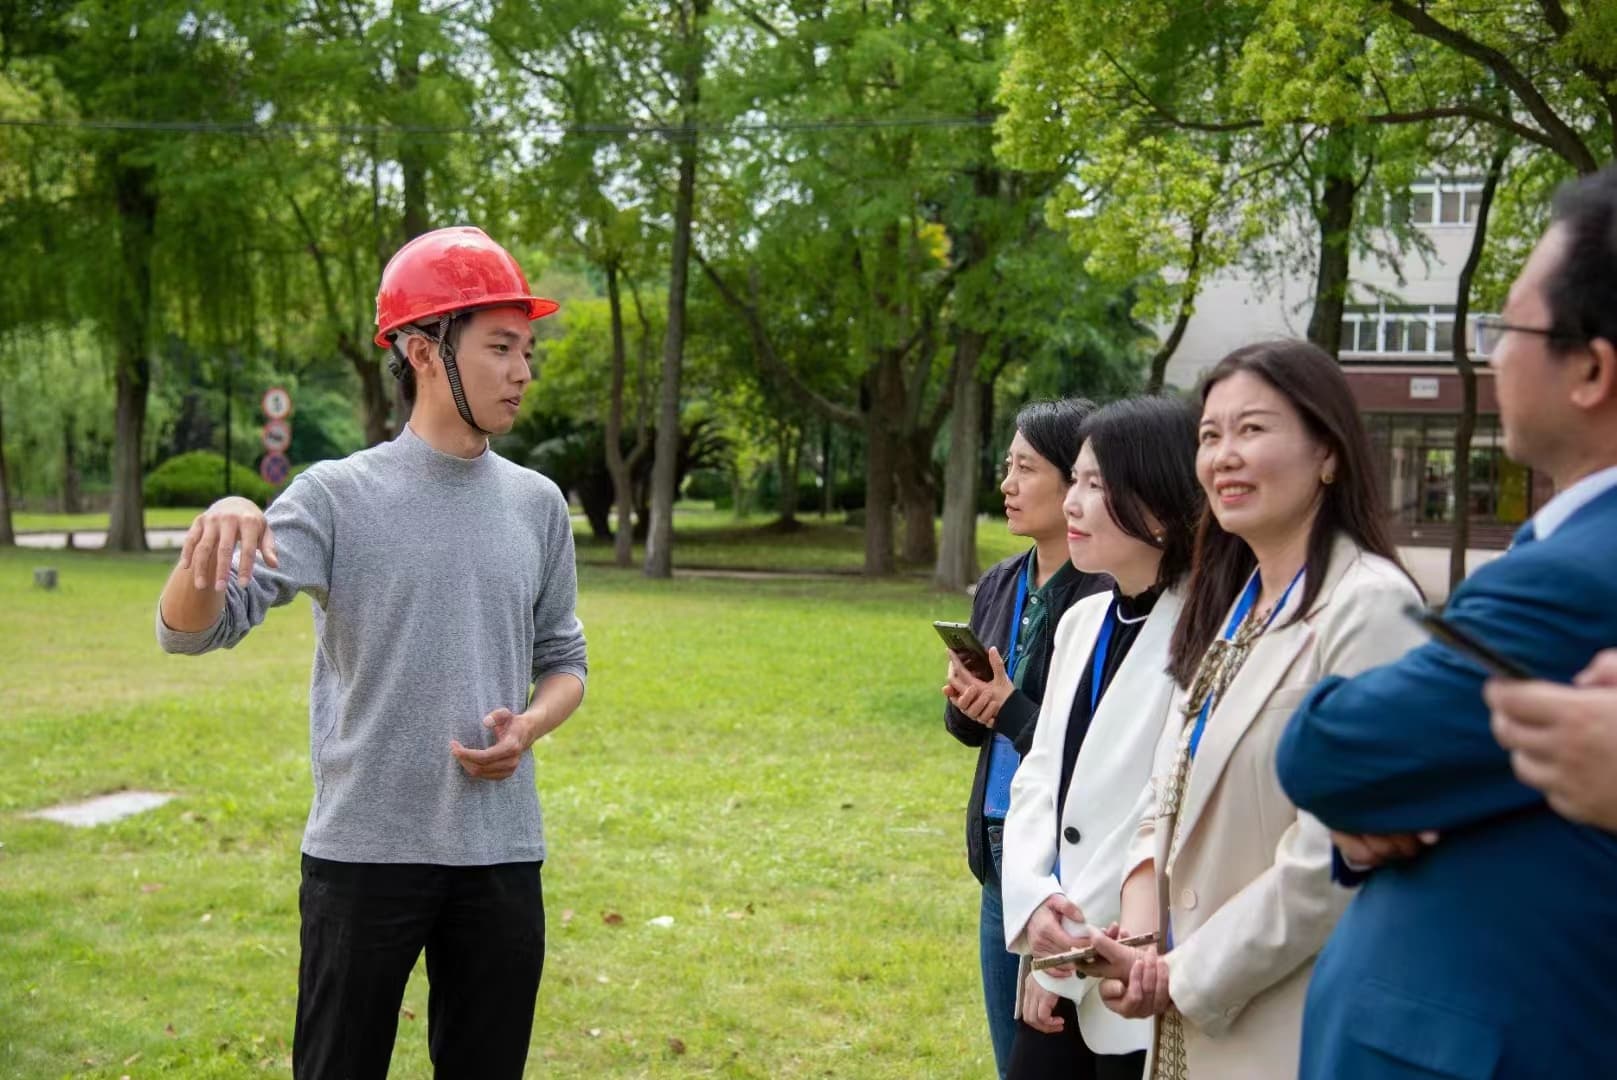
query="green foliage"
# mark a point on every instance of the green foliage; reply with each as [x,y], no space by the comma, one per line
[197,479]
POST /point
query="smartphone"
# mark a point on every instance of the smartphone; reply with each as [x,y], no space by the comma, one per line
[1463,643]
[1089,955]
[966,648]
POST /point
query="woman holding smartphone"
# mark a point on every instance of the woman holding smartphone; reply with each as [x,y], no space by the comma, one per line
[1131,513]
[1014,611]
[1294,579]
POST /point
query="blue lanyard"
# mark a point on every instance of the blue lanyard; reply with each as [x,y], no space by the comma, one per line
[1016,616]
[1242,609]
[1097,668]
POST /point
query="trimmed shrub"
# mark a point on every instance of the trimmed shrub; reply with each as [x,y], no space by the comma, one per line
[195,479]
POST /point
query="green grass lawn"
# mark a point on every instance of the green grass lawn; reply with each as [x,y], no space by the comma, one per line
[157,517]
[762,761]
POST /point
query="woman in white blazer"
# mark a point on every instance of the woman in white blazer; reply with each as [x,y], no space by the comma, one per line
[1131,513]
[1294,579]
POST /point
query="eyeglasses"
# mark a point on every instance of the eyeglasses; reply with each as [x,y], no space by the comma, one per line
[1489,330]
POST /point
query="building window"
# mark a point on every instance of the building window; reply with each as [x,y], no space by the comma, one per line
[1417,456]
[1403,329]
[1444,201]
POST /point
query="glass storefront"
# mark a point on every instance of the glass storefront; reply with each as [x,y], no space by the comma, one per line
[1416,454]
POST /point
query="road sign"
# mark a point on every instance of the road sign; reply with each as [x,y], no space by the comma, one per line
[274,468]
[276,403]
[276,436]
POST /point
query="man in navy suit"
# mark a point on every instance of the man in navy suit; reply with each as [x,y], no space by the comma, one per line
[1491,953]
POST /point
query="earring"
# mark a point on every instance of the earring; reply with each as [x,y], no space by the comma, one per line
[1328,479]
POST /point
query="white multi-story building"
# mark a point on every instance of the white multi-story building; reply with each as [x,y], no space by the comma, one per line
[1397,335]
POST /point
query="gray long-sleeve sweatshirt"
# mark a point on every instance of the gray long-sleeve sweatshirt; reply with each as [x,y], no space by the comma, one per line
[442,588]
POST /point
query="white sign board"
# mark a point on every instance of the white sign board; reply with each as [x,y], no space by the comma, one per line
[1423,388]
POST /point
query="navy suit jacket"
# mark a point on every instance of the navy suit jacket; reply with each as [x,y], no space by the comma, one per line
[1493,953]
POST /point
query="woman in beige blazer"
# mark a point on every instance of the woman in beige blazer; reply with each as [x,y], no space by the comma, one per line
[1294,579]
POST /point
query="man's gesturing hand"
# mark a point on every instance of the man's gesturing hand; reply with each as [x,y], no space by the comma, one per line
[513,733]
[214,535]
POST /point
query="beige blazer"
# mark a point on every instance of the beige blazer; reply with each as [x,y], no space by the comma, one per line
[1097,824]
[1250,891]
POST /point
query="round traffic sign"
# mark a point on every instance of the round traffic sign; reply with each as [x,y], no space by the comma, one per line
[276,436]
[274,468]
[276,403]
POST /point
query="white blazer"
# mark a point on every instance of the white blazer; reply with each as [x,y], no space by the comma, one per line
[1114,765]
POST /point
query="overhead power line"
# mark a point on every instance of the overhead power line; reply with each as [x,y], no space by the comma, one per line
[290,130]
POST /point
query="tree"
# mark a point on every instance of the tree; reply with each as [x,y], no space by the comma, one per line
[99,52]
[1466,426]
[595,195]
[690,60]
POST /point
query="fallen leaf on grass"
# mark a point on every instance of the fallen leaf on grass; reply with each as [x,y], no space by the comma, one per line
[595,1033]
[676,1045]
[566,916]
[151,887]
[131,1059]
[612,918]
[168,1029]
[207,916]
[735,914]
[663,921]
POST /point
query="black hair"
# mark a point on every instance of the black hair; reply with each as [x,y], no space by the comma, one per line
[1582,291]
[1146,450]
[1314,385]
[1052,429]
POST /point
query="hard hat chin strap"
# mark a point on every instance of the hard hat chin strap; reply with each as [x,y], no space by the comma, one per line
[398,363]
[452,375]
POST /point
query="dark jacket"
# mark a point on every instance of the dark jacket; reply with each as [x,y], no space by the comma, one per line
[991,622]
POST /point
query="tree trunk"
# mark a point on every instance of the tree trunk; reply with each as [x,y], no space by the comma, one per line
[828,473]
[957,565]
[72,501]
[665,463]
[372,391]
[412,154]
[137,216]
[1187,307]
[886,382]
[918,499]
[1466,427]
[8,536]
[788,452]
[616,465]
[1335,216]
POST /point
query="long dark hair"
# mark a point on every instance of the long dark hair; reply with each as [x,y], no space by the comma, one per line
[1146,450]
[1310,380]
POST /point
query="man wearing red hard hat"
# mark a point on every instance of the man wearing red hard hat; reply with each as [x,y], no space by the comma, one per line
[444,593]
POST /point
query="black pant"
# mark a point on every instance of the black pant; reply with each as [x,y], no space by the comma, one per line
[1035,1055]
[364,925]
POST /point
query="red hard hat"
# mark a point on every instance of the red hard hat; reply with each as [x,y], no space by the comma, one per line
[449,270]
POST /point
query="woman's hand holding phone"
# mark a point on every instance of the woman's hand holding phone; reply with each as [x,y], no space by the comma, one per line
[1047,933]
[976,698]
[1134,981]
